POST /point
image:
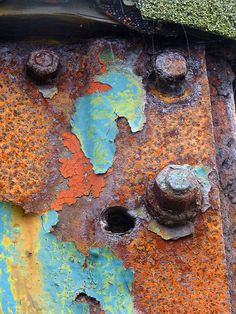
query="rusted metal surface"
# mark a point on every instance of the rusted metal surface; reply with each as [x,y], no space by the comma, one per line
[223,111]
[46,167]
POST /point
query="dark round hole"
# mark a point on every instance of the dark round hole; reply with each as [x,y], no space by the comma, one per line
[118,220]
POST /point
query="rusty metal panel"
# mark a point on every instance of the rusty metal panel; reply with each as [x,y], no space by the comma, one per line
[81,152]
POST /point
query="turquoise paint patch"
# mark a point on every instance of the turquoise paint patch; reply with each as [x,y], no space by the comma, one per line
[202,174]
[81,308]
[65,275]
[49,220]
[7,302]
[94,121]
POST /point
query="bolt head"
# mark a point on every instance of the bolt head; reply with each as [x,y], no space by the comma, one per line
[180,181]
[175,196]
[171,66]
[43,64]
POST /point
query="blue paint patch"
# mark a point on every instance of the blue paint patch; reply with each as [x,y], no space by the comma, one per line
[7,302]
[64,271]
[202,174]
[94,121]
[67,272]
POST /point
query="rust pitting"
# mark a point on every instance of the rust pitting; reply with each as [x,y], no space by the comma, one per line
[223,112]
[166,273]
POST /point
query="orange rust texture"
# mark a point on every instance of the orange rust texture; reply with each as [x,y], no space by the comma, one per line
[79,171]
[32,126]
[188,275]
[184,276]
[24,147]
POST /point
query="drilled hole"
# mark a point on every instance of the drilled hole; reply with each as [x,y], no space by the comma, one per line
[118,220]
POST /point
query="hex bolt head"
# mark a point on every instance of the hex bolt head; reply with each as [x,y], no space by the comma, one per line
[175,197]
[171,70]
[43,65]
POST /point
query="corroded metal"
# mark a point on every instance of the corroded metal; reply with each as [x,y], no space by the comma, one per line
[49,164]
[171,69]
[175,197]
[43,65]
[221,79]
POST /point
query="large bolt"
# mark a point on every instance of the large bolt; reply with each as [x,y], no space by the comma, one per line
[43,65]
[175,196]
[171,70]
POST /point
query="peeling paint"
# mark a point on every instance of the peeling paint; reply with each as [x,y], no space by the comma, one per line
[7,302]
[48,91]
[94,122]
[52,273]
[78,170]
[202,174]
[168,233]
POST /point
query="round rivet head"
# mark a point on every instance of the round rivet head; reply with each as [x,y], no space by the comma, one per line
[171,66]
[171,70]
[174,197]
[43,65]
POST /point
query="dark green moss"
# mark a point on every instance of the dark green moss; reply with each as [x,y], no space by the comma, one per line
[215,16]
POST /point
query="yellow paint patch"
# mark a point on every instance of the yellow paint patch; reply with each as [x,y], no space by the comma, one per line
[25,277]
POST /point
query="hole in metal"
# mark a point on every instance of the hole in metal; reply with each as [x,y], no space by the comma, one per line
[118,220]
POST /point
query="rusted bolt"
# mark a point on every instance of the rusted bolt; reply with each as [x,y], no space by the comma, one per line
[171,70]
[43,65]
[174,197]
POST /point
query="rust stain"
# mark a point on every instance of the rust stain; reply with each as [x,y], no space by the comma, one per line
[25,150]
[223,111]
[186,276]
[170,277]
[32,126]
[79,171]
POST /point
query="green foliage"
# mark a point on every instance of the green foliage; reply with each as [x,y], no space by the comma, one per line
[215,16]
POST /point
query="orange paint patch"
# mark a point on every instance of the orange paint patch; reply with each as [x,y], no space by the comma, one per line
[79,171]
[97,86]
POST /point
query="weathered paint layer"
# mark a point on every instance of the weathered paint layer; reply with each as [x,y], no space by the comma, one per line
[7,301]
[52,273]
[79,172]
[94,121]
